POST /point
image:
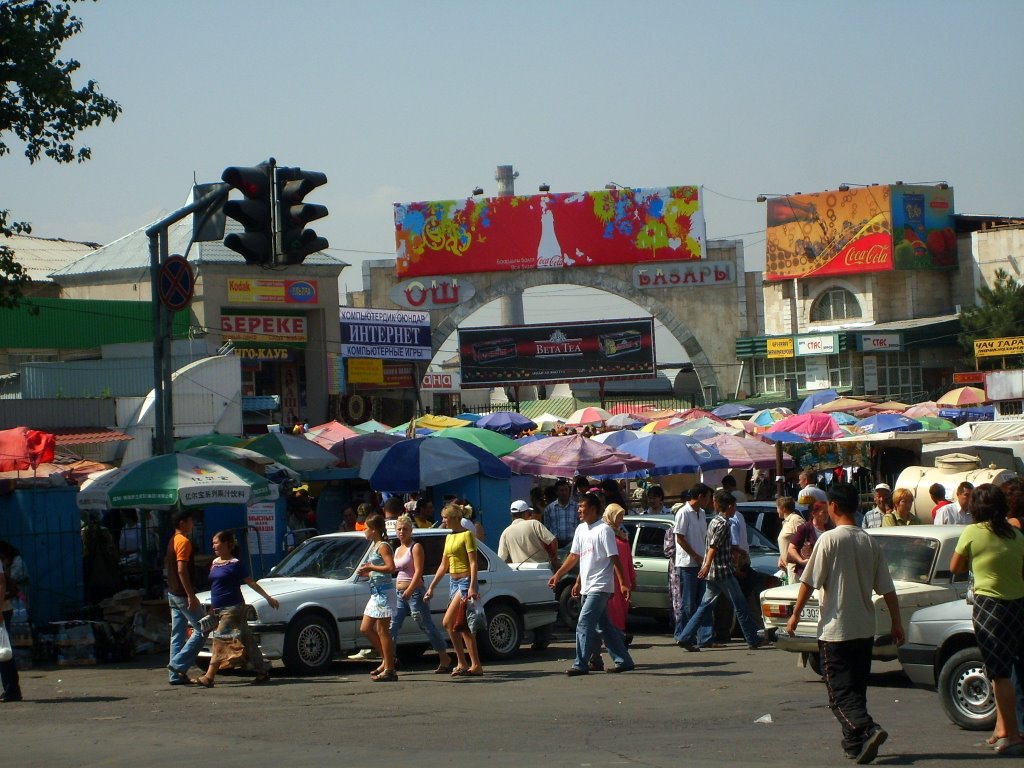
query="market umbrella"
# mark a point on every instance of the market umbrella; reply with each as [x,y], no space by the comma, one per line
[841,404]
[434,421]
[228,453]
[811,426]
[703,423]
[745,453]
[402,430]
[817,398]
[927,408]
[210,438]
[292,451]
[572,455]
[371,426]
[327,434]
[618,437]
[934,423]
[472,418]
[783,437]
[844,419]
[494,443]
[732,411]
[506,423]
[590,415]
[660,425]
[691,414]
[350,450]
[676,454]
[890,405]
[887,422]
[173,479]
[768,416]
[412,465]
[962,396]
[623,420]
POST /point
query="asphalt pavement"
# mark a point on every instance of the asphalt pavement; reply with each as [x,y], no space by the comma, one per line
[676,709]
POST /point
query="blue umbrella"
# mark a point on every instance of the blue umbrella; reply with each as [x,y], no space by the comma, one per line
[784,437]
[675,454]
[526,439]
[818,398]
[888,422]
[843,418]
[472,417]
[618,438]
[732,411]
[506,422]
[412,465]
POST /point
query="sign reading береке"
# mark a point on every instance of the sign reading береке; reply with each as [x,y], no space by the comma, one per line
[385,334]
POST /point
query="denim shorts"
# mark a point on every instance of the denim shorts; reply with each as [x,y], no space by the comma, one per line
[458,585]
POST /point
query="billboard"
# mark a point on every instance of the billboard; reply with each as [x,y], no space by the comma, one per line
[550,230]
[528,354]
[867,229]
[385,334]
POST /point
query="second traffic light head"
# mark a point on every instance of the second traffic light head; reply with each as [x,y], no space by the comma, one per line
[293,184]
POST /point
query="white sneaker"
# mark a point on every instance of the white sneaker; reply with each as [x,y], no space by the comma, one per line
[364,655]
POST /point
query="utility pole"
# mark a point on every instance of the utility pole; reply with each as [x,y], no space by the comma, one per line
[512,304]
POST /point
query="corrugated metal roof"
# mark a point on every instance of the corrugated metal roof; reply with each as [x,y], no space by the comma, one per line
[80,323]
[40,256]
[131,254]
[88,435]
[108,377]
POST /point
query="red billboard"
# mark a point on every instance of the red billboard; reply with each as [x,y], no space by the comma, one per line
[550,230]
[557,352]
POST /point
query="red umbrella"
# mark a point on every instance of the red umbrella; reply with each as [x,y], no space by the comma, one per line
[329,433]
[963,396]
[572,455]
[24,448]
[589,415]
[812,426]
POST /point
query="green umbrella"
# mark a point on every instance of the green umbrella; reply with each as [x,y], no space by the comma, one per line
[210,438]
[371,426]
[934,423]
[491,441]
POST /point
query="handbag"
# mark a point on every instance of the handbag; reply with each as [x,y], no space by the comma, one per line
[461,622]
[6,651]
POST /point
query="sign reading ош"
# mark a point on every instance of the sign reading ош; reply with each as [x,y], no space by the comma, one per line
[385,334]
[603,349]
[1004,347]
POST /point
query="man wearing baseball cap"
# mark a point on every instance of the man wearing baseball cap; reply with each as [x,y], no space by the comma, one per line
[526,540]
[883,503]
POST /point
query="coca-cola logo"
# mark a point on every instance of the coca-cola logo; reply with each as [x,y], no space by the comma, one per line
[866,252]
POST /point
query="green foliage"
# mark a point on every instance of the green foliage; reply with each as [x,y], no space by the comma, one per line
[999,313]
[39,105]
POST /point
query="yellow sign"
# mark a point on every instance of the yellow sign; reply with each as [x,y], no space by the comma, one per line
[365,371]
[782,347]
[1011,345]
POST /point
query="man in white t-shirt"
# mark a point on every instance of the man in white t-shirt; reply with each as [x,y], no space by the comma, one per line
[846,564]
[594,548]
[691,529]
[955,513]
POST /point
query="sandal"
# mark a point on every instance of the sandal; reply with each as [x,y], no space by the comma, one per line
[443,669]
[377,671]
[202,681]
[458,672]
[261,679]
[1009,748]
[473,673]
[387,676]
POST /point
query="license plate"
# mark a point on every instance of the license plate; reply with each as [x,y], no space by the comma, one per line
[810,614]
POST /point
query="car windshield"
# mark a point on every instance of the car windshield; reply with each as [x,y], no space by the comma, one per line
[910,558]
[327,558]
[759,543]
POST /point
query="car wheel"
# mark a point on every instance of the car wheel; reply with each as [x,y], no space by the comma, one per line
[503,635]
[569,607]
[814,662]
[965,691]
[308,645]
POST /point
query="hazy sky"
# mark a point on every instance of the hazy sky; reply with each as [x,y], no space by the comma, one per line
[401,101]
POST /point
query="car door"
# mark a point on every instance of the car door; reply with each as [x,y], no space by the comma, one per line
[651,567]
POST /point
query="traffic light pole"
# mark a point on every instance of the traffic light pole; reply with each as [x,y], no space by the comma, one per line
[163,408]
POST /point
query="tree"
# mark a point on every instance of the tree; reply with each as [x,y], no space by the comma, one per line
[39,105]
[998,314]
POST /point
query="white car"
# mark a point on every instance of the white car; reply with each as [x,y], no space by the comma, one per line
[918,558]
[322,600]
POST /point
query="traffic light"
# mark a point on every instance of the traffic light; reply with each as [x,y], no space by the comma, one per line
[297,242]
[255,213]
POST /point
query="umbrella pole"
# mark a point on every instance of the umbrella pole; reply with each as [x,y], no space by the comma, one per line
[780,478]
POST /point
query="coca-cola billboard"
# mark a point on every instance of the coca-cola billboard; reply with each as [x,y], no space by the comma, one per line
[864,229]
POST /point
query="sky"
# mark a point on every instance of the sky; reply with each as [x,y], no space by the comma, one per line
[403,101]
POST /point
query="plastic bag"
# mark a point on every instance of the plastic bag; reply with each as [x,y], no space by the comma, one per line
[476,618]
[6,651]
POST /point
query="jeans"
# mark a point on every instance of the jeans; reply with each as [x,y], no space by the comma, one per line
[691,591]
[9,669]
[183,651]
[593,620]
[420,611]
[845,667]
[730,588]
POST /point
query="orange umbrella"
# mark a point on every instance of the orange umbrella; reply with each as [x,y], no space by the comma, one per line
[963,396]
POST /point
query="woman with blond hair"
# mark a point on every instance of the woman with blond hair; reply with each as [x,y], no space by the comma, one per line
[903,510]
[383,602]
[459,562]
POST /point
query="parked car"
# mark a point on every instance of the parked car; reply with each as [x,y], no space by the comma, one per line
[651,596]
[918,558]
[941,653]
[322,601]
[762,515]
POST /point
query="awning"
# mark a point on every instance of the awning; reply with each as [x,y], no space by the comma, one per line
[88,435]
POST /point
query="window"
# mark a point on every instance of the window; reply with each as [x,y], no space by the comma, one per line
[899,375]
[770,374]
[835,304]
